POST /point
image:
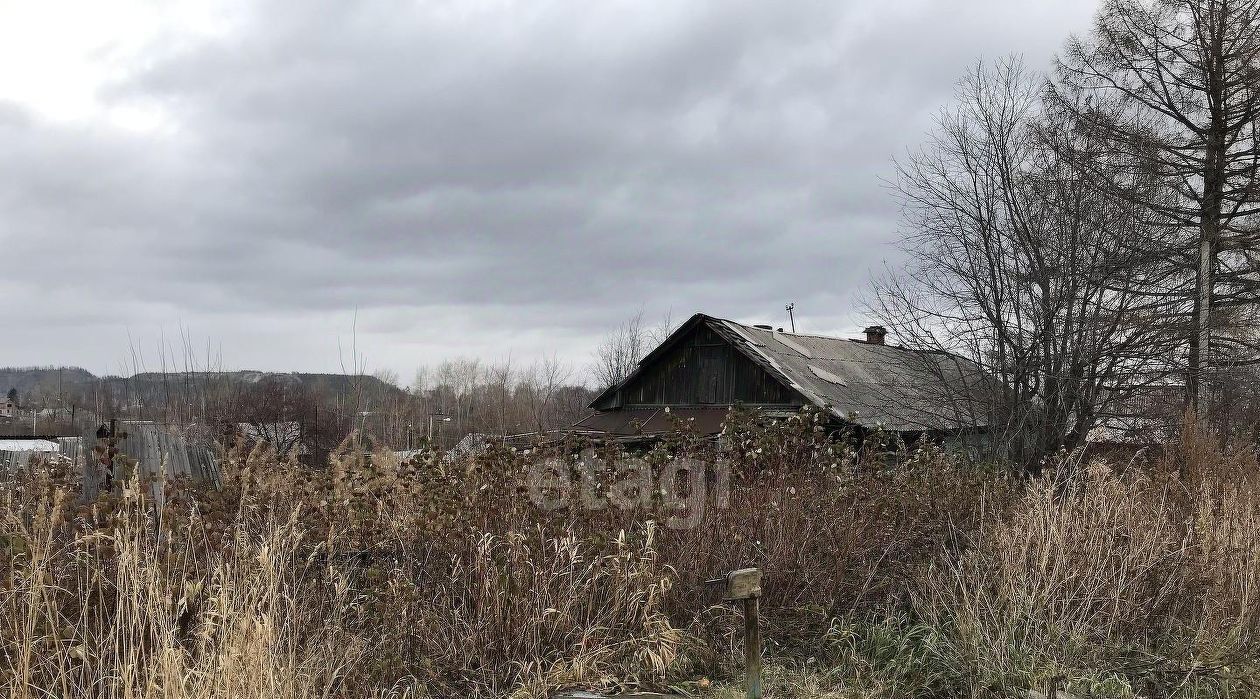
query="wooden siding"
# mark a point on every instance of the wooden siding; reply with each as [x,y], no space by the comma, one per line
[703,369]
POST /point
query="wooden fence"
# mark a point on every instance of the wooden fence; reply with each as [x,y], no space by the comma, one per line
[161,452]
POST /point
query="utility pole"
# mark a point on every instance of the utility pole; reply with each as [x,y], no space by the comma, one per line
[440,416]
[791,319]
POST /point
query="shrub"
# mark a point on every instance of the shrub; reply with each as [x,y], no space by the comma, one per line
[885,574]
[1103,584]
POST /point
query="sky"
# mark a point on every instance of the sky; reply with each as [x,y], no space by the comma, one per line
[323,185]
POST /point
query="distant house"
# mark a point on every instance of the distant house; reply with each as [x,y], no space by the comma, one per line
[8,409]
[1147,416]
[286,437]
[709,365]
[471,444]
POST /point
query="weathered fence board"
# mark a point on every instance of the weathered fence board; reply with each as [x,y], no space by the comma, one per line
[162,452]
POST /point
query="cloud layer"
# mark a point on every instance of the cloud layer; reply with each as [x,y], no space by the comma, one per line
[474,178]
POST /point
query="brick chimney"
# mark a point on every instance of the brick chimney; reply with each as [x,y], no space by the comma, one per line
[875,334]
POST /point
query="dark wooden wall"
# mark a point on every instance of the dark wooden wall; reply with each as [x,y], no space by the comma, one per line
[703,369]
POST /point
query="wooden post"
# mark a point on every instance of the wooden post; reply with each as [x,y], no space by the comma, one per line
[112,453]
[744,585]
[752,648]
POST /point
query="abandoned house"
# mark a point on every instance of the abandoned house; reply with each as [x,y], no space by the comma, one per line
[708,365]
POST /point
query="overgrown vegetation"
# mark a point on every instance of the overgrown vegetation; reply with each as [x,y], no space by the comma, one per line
[914,574]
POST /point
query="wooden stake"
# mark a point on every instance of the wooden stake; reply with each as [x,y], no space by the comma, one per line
[744,585]
[752,648]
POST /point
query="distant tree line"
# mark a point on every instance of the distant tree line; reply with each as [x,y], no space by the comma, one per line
[308,415]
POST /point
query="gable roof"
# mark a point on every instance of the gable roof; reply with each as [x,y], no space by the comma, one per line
[875,386]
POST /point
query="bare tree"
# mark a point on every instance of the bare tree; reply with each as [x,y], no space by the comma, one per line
[1016,263]
[501,382]
[289,417]
[499,398]
[1173,86]
[455,391]
[619,352]
[543,386]
[662,330]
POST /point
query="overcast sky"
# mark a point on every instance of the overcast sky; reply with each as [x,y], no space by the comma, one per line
[467,178]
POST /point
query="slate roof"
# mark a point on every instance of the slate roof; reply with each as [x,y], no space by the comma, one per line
[29,445]
[872,385]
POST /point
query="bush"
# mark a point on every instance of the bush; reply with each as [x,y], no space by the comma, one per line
[1107,586]
[885,573]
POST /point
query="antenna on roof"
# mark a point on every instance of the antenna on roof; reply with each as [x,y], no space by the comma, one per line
[789,308]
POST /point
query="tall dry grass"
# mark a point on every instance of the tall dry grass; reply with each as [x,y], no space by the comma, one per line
[245,592]
[123,612]
[911,576]
[1109,584]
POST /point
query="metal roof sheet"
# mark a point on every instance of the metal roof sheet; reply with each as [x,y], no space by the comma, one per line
[42,445]
[873,385]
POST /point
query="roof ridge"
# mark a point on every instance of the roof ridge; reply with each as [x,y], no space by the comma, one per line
[858,340]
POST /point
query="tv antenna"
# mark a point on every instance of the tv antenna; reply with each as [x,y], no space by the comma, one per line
[791,319]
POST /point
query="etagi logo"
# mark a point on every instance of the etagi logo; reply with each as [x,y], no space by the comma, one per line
[682,488]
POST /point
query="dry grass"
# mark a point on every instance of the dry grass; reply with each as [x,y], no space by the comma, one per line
[124,614]
[1109,585]
[910,577]
[239,594]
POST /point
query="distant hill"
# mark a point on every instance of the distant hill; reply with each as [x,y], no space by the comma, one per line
[26,379]
[43,384]
[332,383]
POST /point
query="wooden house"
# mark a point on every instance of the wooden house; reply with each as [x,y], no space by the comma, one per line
[708,365]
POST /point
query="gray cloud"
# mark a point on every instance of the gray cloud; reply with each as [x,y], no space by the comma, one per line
[481,178]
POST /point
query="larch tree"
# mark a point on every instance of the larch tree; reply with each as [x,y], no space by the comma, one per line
[1172,87]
